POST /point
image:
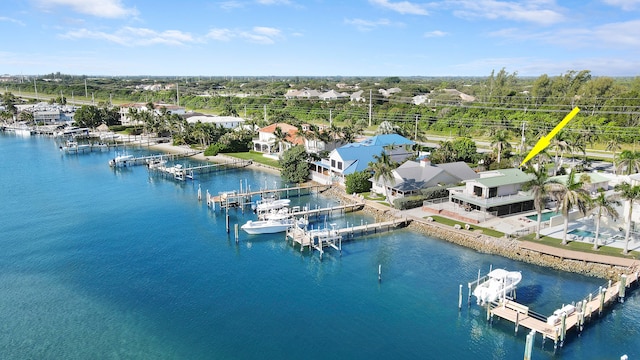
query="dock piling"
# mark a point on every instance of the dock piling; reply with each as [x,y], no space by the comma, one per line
[460,298]
[528,347]
[236,232]
[379,272]
[622,287]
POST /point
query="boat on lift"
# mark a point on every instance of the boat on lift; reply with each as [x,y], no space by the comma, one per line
[497,284]
[272,226]
[268,204]
[122,160]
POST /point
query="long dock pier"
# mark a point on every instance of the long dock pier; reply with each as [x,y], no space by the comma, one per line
[316,213]
[182,173]
[144,160]
[318,239]
[567,317]
[229,199]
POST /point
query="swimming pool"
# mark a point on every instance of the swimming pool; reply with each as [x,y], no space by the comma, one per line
[545,216]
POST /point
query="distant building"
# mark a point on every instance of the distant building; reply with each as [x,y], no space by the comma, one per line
[229,122]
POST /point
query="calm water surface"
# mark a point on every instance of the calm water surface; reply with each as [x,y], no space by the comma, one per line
[119,263]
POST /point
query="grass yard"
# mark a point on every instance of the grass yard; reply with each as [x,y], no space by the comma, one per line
[451,222]
[256,157]
[581,246]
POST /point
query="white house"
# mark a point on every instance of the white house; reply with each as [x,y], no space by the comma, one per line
[229,122]
[267,142]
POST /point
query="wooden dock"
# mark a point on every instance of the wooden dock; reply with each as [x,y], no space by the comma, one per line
[144,160]
[182,173]
[230,199]
[316,213]
[556,326]
[318,239]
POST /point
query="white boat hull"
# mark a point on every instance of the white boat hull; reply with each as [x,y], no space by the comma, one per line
[499,283]
[271,226]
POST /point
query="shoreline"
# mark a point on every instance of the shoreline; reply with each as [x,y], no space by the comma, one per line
[505,247]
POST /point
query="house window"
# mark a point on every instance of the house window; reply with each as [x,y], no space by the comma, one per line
[493,192]
[333,163]
[477,191]
[339,165]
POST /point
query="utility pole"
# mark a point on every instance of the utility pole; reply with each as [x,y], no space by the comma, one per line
[523,139]
[86,94]
[369,107]
[415,135]
[330,119]
[265,113]
[35,88]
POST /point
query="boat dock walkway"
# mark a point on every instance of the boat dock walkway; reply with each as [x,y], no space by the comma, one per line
[144,160]
[318,239]
[296,211]
[556,326]
[229,199]
[182,173]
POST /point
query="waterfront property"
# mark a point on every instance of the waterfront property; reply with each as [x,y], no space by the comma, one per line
[496,192]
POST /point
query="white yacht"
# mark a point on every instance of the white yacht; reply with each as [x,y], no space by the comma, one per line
[498,283]
[269,204]
[122,160]
[272,226]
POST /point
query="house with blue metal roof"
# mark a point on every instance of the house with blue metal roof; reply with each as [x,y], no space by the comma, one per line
[354,157]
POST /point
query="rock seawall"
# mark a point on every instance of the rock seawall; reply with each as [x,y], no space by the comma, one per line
[509,248]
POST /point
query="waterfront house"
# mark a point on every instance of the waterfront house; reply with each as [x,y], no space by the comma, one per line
[355,157]
[412,176]
[268,143]
[228,122]
[125,118]
[497,192]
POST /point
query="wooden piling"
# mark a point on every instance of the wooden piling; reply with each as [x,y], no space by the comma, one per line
[622,285]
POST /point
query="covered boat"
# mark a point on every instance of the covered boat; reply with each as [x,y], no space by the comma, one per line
[497,284]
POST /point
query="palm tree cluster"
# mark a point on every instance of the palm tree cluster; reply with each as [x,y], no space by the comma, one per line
[572,195]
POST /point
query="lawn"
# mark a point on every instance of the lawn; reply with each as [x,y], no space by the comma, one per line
[256,157]
[451,222]
[581,246]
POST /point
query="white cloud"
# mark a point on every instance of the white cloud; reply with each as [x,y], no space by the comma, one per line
[230,5]
[273,2]
[402,7]
[435,33]
[367,25]
[99,8]
[624,4]
[129,36]
[259,34]
[621,35]
[542,12]
[12,20]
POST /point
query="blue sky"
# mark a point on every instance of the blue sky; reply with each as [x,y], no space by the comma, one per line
[319,37]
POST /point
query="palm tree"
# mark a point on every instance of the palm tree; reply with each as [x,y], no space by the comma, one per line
[280,137]
[500,142]
[628,160]
[383,170]
[603,205]
[541,187]
[571,195]
[630,194]
[613,144]
[560,144]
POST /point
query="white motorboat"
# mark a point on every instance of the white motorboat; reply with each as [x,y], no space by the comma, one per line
[498,283]
[122,160]
[156,163]
[272,226]
[269,204]
[72,146]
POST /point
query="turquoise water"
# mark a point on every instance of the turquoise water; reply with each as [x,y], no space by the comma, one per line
[546,216]
[117,263]
[583,233]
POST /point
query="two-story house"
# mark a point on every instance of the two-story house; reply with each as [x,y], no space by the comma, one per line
[268,143]
[355,157]
[498,192]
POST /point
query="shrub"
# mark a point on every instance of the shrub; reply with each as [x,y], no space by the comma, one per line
[434,192]
[357,182]
[408,202]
